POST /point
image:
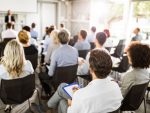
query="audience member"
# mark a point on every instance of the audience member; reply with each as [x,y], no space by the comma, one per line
[137,36]
[13,64]
[139,58]
[109,40]
[48,40]
[34,33]
[29,49]
[82,43]
[62,26]
[31,40]
[91,37]
[101,95]
[55,44]
[83,68]
[65,55]
[9,32]
[46,32]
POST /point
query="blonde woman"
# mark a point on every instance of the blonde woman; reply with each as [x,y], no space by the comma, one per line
[13,64]
[52,47]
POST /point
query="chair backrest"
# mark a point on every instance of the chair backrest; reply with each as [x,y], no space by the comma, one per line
[65,75]
[92,45]
[16,91]
[119,49]
[124,65]
[83,53]
[33,59]
[134,98]
[9,39]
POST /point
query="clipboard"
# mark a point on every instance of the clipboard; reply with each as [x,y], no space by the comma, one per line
[68,88]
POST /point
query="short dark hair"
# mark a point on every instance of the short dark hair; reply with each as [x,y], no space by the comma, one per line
[106,31]
[83,33]
[100,63]
[9,25]
[138,29]
[101,37]
[139,55]
[93,29]
[33,25]
[27,28]
[61,25]
[49,30]
[63,36]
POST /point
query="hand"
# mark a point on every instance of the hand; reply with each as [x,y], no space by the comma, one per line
[81,62]
[69,102]
[74,89]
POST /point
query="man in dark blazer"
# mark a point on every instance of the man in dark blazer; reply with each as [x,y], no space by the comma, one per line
[10,18]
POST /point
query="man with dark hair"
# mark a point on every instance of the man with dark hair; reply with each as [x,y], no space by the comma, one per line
[34,33]
[9,32]
[101,95]
[82,44]
[91,37]
[62,26]
[65,55]
[137,36]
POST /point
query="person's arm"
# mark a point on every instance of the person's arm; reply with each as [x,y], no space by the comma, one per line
[74,105]
[48,55]
[53,64]
[127,83]
[6,19]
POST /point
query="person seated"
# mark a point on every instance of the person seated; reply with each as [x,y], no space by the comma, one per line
[9,32]
[91,37]
[101,95]
[31,40]
[13,64]
[82,44]
[83,68]
[64,55]
[48,40]
[52,47]
[29,49]
[34,33]
[137,36]
[139,58]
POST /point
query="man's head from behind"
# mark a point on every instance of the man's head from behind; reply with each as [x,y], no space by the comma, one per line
[82,35]
[100,64]
[33,25]
[93,29]
[136,30]
[63,36]
[100,39]
[8,26]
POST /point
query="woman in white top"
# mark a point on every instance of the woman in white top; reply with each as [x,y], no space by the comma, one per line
[13,64]
[52,47]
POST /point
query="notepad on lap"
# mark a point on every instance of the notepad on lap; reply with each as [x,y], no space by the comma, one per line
[68,89]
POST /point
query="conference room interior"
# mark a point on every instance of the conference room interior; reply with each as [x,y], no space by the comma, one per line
[74,56]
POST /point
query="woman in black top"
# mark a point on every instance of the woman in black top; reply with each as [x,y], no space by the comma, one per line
[31,52]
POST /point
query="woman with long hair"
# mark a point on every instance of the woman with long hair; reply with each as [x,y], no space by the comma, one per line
[13,63]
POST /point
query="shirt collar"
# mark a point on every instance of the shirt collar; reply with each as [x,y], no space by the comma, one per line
[99,81]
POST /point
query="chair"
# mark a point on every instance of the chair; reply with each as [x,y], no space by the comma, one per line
[33,59]
[65,75]
[17,91]
[119,49]
[123,65]
[148,90]
[9,39]
[92,45]
[134,98]
[83,53]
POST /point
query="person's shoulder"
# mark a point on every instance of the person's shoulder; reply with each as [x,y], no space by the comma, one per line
[2,69]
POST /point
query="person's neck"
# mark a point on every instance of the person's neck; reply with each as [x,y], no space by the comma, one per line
[98,46]
[26,45]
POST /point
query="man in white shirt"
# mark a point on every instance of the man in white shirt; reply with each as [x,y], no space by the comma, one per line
[101,95]
[9,33]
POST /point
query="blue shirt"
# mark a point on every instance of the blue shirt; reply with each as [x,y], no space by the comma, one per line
[82,45]
[90,38]
[34,34]
[63,56]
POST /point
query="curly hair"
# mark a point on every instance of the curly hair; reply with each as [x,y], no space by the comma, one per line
[100,63]
[139,55]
